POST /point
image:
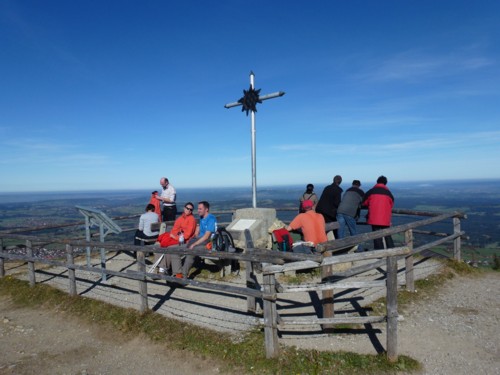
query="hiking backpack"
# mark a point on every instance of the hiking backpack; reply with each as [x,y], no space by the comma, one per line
[283,239]
[223,241]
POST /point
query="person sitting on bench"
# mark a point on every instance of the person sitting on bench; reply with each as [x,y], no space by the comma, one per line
[182,231]
[203,236]
[144,232]
[312,225]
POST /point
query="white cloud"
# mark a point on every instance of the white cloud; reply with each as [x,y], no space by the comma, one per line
[54,154]
[431,141]
[416,65]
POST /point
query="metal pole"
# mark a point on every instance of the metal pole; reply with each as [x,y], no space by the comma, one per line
[254,163]
[87,238]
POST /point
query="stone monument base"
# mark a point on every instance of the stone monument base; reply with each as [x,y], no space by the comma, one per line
[249,227]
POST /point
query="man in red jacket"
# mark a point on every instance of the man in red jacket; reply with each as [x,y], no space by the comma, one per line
[379,201]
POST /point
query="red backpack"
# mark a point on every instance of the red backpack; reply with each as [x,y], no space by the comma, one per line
[283,239]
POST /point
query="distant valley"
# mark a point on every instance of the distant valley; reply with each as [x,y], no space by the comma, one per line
[479,200]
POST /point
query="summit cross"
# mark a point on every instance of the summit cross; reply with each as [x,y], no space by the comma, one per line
[249,104]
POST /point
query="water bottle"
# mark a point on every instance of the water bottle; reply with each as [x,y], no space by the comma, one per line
[181,238]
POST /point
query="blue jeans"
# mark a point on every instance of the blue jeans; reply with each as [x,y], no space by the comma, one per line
[346,221]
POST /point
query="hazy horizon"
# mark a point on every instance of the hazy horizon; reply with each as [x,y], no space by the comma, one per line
[244,191]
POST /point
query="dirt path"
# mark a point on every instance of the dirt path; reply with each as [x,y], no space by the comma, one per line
[47,342]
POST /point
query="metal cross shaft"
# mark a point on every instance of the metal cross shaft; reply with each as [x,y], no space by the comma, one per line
[263,97]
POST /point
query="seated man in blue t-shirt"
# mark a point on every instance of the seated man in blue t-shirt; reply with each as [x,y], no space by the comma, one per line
[203,235]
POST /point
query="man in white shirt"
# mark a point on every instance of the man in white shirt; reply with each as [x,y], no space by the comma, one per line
[167,198]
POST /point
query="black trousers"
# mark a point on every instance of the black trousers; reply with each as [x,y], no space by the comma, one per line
[378,243]
[140,234]
[331,219]
[169,213]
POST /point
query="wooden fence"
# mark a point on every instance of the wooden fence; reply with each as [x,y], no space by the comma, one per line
[270,263]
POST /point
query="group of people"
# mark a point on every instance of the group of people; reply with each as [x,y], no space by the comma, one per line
[184,231]
[313,214]
[345,209]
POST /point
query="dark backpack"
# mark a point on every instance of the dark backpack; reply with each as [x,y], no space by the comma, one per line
[223,241]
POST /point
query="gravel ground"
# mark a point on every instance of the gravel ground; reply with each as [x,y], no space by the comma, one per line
[456,331]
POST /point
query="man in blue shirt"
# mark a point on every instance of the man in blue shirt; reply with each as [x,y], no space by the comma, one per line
[203,235]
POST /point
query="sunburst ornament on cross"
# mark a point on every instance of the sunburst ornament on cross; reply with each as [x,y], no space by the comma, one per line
[249,101]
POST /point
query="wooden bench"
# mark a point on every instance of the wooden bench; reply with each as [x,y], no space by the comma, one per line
[223,264]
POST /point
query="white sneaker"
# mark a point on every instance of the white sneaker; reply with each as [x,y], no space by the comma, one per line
[163,270]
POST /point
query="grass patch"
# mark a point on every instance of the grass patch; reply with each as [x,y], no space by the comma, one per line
[300,277]
[246,355]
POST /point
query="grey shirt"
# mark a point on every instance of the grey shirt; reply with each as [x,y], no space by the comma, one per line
[351,202]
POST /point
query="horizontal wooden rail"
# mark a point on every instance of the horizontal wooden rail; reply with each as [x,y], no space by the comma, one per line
[338,245]
[334,285]
[134,275]
[367,267]
[199,284]
[337,259]
[336,320]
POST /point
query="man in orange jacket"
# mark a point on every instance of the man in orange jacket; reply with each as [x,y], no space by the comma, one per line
[312,225]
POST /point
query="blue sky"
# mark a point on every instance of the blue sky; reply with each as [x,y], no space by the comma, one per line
[116,94]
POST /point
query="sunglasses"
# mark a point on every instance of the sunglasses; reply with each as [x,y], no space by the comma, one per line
[189,208]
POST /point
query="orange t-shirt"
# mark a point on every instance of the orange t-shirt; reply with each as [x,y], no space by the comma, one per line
[312,225]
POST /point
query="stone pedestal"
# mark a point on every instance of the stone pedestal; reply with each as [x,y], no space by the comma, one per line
[256,221]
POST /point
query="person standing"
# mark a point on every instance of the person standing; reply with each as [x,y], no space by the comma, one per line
[330,200]
[349,208]
[206,228]
[167,198]
[309,194]
[312,225]
[145,221]
[379,201]
[155,202]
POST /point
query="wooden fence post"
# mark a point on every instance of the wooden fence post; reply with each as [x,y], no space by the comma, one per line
[251,278]
[270,316]
[143,286]
[392,309]
[31,264]
[2,262]
[409,274]
[327,295]
[457,241]
[71,271]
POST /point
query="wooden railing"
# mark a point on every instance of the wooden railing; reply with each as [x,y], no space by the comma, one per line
[270,263]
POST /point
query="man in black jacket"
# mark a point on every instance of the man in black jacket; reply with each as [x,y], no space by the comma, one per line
[330,200]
